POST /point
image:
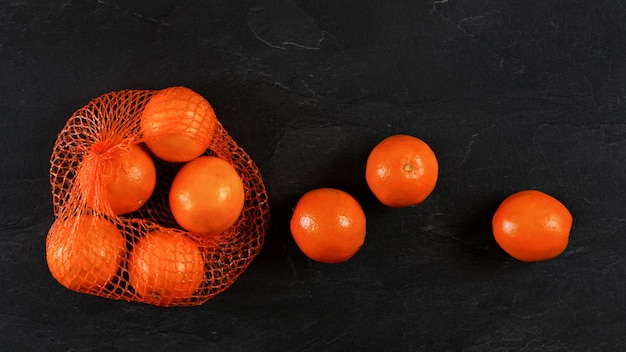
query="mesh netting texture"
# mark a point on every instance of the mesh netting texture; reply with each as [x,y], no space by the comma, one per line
[91,250]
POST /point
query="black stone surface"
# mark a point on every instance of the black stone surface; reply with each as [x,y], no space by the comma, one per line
[511,95]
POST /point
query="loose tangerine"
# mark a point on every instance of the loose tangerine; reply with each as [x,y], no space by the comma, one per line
[165,267]
[328,225]
[207,195]
[122,175]
[177,124]
[532,226]
[401,171]
[85,253]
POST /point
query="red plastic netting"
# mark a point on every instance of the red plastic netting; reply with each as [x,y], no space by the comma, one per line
[92,251]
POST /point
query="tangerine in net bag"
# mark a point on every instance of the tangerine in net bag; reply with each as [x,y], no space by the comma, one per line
[92,250]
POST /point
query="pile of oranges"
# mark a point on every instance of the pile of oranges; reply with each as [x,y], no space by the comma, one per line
[95,246]
[99,243]
[328,225]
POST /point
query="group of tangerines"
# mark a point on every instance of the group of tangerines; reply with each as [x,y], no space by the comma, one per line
[401,171]
[207,196]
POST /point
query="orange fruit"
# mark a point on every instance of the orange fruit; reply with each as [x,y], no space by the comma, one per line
[532,226]
[84,253]
[177,124]
[123,176]
[401,171]
[165,267]
[328,225]
[207,195]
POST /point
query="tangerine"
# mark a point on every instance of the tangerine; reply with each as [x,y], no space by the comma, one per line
[177,124]
[85,253]
[122,175]
[165,267]
[401,171]
[207,195]
[328,225]
[532,226]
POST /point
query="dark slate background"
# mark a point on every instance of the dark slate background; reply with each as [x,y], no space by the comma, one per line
[510,94]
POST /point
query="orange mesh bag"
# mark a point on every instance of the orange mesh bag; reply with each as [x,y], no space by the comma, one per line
[114,234]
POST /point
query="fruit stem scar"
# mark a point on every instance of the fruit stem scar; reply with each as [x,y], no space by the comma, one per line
[407,167]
